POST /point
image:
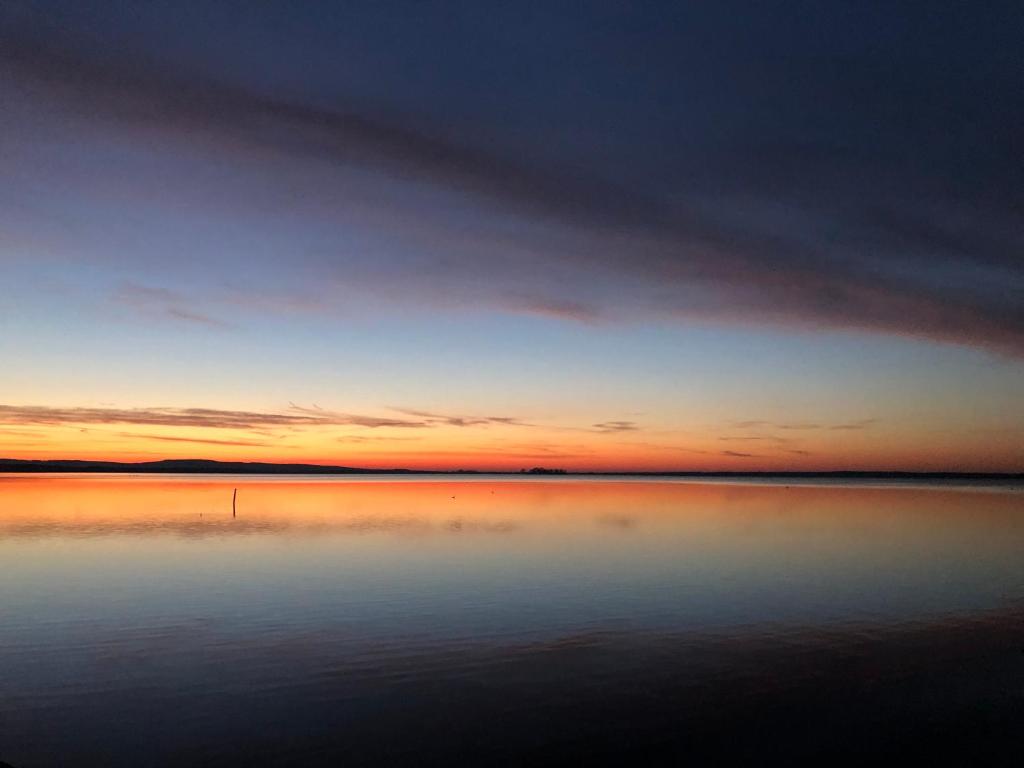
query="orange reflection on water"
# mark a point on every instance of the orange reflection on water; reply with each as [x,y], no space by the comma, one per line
[104,504]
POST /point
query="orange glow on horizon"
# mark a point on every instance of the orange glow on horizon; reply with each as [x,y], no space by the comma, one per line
[599,456]
[511,447]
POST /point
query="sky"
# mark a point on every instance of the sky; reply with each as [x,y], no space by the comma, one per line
[605,236]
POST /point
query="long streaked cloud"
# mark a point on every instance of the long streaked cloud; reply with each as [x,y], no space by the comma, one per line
[455,420]
[612,427]
[855,425]
[197,440]
[194,417]
[264,423]
[765,231]
[755,424]
[162,303]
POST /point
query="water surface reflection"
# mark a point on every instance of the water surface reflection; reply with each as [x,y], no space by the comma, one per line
[504,620]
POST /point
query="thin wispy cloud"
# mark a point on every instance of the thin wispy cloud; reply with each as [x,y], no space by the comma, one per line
[754,424]
[854,425]
[162,303]
[561,309]
[323,417]
[195,317]
[198,440]
[453,420]
[662,447]
[612,427]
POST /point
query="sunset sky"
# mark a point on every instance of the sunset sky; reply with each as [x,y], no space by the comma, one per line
[610,236]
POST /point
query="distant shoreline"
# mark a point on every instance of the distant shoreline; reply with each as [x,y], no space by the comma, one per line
[210,467]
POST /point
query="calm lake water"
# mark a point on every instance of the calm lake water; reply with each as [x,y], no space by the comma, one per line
[491,621]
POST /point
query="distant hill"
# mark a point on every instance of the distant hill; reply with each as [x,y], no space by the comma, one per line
[208,466]
[186,466]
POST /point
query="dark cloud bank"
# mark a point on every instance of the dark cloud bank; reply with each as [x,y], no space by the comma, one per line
[845,167]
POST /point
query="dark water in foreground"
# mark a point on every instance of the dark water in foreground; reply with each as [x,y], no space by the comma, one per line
[506,622]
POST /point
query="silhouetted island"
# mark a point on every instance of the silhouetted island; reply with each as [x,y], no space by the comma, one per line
[187,466]
[209,466]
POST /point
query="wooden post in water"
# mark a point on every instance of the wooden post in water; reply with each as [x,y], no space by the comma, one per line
[233,497]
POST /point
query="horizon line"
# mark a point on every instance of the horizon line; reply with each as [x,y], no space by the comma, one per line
[203,466]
